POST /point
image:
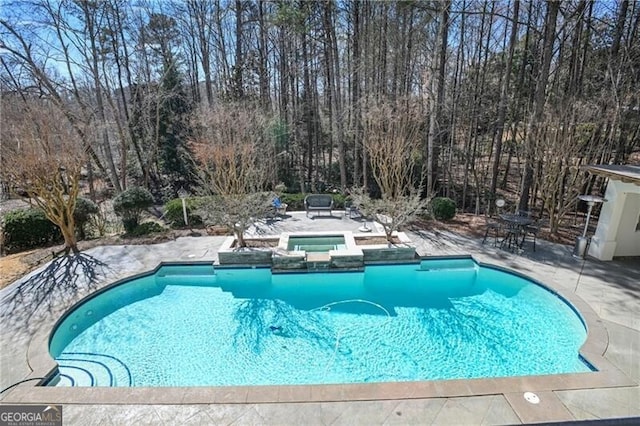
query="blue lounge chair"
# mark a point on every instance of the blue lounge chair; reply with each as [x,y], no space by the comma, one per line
[279,206]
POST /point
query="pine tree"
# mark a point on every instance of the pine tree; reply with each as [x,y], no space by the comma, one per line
[174,130]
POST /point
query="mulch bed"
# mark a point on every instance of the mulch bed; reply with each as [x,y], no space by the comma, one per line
[270,243]
[370,241]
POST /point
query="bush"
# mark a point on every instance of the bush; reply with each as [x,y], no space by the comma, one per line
[130,204]
[338,201]
[294,201]
[85,208]
[27,229]
[443,208]
[174,216]
[146,228]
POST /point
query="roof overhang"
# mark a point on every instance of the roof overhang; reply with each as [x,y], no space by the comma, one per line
[625,173]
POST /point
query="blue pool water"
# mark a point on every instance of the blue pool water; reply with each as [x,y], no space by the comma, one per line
[316,244]
[441,319]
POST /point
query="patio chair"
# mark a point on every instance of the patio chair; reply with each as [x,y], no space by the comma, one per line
[318,203]
[513,236]
[531,231]
[492,227]
[279,206]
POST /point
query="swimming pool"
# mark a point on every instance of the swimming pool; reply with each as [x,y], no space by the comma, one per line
[191,325]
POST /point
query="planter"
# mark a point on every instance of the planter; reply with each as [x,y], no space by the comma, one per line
[229,255]
[402,251]
[378,254]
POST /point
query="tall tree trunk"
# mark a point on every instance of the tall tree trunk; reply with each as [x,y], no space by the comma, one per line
[502,106]
[90,16]
[308,110]
[263,71]
[434,137]
[238,80]
[334,86]
[200,11]
[538,102]
[355,91]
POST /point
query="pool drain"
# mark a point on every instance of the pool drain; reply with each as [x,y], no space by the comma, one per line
[532,398]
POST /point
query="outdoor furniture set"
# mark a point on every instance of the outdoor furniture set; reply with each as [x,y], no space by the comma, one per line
[512,230]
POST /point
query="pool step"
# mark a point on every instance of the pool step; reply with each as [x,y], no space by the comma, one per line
[194,275]
[185,279]
[92,369]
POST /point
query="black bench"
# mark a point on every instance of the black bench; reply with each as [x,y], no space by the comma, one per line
[318,203]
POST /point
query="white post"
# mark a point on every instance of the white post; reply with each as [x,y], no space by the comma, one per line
[183,196]
[184,212]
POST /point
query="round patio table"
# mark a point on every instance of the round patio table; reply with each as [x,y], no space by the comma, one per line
[515,225]
[516,219]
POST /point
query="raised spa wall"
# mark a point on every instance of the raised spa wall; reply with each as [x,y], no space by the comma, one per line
[352,258]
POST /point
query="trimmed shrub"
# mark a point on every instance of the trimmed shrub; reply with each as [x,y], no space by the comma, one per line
[85,208]
[443,208]
[174,216]
[146,228]
[130,204]
[27,229]
[294,201]
[338,201]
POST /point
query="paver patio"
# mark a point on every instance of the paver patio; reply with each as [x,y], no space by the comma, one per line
[609,290]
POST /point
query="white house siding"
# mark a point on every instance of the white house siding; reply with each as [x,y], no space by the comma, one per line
[617,233]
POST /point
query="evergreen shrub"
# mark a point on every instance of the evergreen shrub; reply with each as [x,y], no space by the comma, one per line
[130,204]
[175,217]
[295,201]
[146,228]
[28,228]
[85,208]
[443,208]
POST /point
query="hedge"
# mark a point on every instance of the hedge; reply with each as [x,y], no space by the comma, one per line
[295,201]
[146,228]
[28,228]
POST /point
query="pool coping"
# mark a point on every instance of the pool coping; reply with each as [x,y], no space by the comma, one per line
[593,349]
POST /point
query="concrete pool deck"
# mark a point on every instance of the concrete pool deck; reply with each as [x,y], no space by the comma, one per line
[606,293]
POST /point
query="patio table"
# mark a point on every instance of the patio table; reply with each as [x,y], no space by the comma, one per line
[515,225]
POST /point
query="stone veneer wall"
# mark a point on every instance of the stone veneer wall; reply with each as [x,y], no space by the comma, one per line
[353,257]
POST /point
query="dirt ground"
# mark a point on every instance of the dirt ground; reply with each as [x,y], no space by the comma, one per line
[16,265]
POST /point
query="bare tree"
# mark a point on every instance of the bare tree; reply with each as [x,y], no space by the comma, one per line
[539,101]
[567,145]
[232,151]
[42,154]
[393,141]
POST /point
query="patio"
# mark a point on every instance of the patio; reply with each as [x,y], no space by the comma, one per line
[606,293]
